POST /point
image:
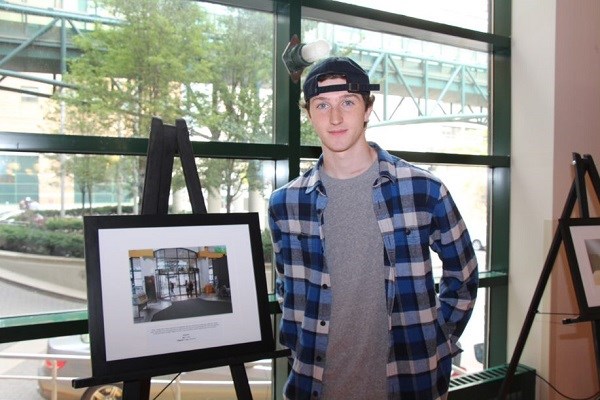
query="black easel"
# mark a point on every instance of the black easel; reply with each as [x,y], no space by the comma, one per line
[577,192]
[164,143]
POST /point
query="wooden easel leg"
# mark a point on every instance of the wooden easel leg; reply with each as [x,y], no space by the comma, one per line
[165,142]
[577,192]
[596,333]
[240,381]
[537,296]
[137,389]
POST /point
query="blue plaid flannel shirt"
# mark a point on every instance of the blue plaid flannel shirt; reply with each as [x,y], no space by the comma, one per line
[415,213]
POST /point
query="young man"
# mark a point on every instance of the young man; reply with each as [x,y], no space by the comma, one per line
[352,239]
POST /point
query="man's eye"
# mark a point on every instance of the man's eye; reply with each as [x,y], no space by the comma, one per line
[348,103]
[321,106]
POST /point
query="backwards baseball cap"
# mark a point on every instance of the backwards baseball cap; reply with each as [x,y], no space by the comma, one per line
[357,80]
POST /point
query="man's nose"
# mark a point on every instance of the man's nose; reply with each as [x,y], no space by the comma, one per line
[335,116]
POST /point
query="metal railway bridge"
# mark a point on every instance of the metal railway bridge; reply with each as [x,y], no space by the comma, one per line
[35,44]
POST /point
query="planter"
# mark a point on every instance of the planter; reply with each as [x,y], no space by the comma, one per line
[61,275]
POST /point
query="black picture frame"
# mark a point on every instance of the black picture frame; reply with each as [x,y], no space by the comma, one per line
[582,245]
[123,349]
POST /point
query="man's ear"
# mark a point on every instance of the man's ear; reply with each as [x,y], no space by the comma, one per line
[368,112]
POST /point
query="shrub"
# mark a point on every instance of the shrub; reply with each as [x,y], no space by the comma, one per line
[64,224]
[76,212]
[64,237]
[24,239]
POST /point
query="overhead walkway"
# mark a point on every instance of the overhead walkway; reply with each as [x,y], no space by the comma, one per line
[439,90]
[36,41]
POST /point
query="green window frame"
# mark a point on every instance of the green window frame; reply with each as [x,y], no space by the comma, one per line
[287,151]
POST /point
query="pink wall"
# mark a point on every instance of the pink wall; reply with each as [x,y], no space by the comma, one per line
[572,361]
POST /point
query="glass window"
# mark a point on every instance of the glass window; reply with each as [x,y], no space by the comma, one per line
[433,97]
[470,14]
[51,364]
[44,196]
[473,339]
[22,107]
[211,64]
[214,65]
[30,292]
[468,186]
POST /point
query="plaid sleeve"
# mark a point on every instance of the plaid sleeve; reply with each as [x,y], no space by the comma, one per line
[459,281]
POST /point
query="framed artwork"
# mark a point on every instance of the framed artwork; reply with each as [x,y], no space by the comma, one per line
[582,244]
[170,293]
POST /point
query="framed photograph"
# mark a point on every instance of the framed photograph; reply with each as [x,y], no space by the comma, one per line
[170,293]
[582,244]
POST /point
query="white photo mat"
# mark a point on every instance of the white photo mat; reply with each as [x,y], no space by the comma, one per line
[584,238]
[125,339]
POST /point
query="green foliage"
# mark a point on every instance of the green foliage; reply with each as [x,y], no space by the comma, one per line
[64,237]
[64,224]
[44,232]
[25,239]
[87,171]
[132,72]
[267,246]
[28,218]
[172,60]
[103,210]
[239,107]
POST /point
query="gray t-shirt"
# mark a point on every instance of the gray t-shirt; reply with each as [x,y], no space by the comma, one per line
[357,353]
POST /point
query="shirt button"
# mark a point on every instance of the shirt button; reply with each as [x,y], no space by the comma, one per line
[323,323]
[318,358]
[324,286]
[407,231]
[315,394]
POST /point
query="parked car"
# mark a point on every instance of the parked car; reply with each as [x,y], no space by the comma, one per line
[207,384]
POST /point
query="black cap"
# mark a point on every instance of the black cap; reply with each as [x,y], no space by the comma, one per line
[357,80]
